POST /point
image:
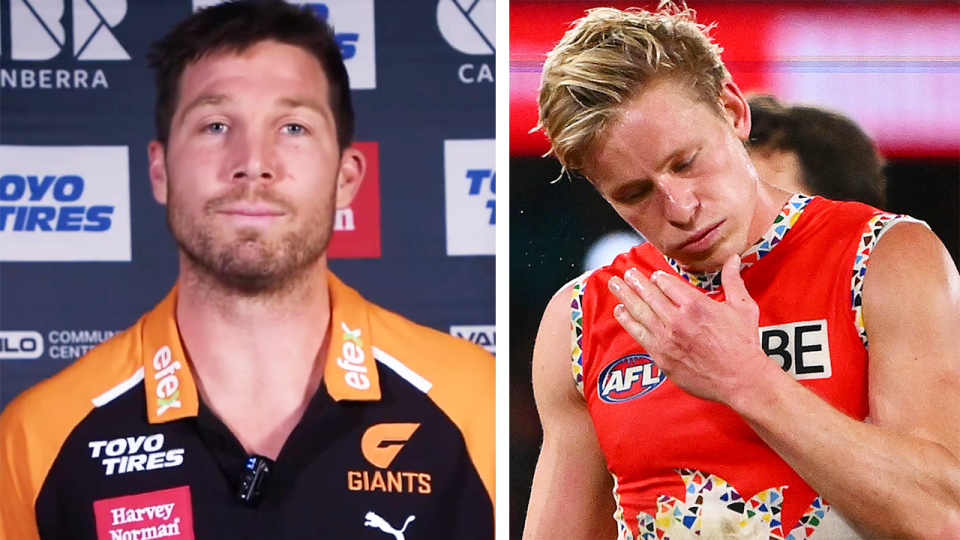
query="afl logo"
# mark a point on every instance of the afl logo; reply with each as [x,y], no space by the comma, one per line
[627,378]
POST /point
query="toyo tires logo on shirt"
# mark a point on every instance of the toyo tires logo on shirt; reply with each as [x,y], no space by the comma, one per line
[628,377]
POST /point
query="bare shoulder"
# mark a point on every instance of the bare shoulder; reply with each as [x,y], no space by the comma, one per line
[909,255]
[911,308]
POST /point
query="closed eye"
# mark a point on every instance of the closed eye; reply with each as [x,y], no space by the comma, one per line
[633,193]
[684,165]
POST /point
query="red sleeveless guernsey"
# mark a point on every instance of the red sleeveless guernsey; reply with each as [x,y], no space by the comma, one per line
[684,467]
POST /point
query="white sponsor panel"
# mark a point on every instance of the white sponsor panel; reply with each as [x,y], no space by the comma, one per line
[469,26]
[801,348]
[470,196]
[483,335]
[38,32]
[352,22]
[64,203]
[20,345]
[37,29]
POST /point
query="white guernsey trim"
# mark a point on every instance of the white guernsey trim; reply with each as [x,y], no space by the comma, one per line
[402,370]
[119,389]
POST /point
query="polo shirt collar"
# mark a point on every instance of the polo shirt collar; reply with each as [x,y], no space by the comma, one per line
[350,372]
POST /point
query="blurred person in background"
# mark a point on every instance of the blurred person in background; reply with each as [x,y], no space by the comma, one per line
[715,379]
[804,149]
[263,397]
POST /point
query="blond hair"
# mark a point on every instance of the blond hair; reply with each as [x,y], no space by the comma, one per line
[607,58]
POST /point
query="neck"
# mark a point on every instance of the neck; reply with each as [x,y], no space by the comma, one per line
[770,201]
[242,345]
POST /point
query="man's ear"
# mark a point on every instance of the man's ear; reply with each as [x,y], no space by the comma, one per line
[735,109]
[158,171]
[352,168]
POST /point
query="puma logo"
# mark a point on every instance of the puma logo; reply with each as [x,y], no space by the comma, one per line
[378,522]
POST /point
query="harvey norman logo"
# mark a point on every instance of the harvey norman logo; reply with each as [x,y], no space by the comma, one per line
[352,22]
[168,385]
[470,194]
[43,30]
[152,515]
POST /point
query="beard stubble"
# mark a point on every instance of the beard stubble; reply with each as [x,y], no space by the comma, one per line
[246,261]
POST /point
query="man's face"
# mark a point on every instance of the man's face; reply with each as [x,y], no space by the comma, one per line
[251,171]
[676,170]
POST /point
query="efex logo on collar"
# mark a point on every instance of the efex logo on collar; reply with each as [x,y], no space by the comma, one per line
[168,385]
[380,445]
[352,358]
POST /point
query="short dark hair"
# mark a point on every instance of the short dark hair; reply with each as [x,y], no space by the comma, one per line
[234,27]
[838,160]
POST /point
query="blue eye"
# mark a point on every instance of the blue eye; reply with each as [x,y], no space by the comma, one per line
[295,129]
[216,127]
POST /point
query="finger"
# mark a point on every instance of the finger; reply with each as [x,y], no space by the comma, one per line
[637,331]
[676,289]
[734,289]
[632,303]
[658,302]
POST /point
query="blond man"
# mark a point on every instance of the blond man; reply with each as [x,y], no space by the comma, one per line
[767,365]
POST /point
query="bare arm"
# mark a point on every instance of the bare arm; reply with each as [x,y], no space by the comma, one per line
[898,476]
[572,490]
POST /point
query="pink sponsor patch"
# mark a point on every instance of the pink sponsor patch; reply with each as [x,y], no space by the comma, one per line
[157,514]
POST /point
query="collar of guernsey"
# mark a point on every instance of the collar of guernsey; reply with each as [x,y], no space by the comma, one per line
[710,282]
[350,372]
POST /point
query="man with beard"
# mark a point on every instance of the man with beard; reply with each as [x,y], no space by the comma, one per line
[263,398]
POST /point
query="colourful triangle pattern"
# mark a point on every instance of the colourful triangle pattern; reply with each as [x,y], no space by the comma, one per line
[756,517]
[576,314]
[871,234]
[809,521]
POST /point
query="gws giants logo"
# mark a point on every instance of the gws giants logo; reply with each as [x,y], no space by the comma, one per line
[628,377]
[380,445]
